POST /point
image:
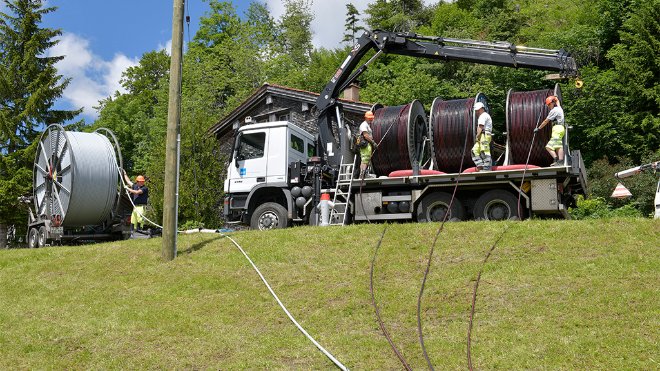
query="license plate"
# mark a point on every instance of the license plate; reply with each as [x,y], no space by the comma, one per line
[57,230]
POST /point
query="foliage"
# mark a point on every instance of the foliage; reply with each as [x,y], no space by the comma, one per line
[597,208]
[642,186]
[351,27]
[396,15]
[129,115]
[29,86]
[295,33]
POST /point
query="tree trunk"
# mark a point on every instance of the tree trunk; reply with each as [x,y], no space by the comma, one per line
[3,235]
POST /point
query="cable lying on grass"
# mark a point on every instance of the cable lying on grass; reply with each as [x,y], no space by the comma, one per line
[327,354]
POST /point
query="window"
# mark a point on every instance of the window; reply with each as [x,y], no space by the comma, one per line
[297,144]
[311,150]
[284,117]
[252,146]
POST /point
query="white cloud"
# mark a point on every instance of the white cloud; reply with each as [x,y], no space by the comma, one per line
[167,47]
[329,18]
[92,78]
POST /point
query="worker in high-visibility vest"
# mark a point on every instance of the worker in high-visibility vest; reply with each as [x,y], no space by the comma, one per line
[366,142]
[555,146]
[481,149]
[140,196]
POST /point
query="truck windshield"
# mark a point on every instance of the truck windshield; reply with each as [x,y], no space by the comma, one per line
[252,146]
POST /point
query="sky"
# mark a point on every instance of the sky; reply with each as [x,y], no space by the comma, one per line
[101,39]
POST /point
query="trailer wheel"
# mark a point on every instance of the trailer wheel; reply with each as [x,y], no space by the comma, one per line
[33,237]
[41,240]
[270,215]
[497,204]
[434,206]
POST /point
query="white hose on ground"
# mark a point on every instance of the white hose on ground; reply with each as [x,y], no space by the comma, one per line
[327,354]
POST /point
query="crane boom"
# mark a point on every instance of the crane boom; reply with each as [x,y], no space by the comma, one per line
[432,47]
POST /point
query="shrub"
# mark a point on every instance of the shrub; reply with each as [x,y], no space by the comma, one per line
[597,208]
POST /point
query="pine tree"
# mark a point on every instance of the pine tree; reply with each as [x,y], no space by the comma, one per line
[29,86]
[351,25]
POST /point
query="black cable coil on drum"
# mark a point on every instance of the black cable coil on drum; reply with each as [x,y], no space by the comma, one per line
[451,121]
[524,111]
[401,133]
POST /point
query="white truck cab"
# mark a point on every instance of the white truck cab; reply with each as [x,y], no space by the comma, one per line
[257,177]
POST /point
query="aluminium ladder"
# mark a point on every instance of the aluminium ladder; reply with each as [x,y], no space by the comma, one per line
[342,193]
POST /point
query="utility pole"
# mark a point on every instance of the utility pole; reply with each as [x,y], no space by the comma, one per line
[171,189]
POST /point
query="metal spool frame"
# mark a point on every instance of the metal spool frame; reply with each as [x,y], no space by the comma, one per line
[451,122]
[524,111]
[76,177]
[402,132]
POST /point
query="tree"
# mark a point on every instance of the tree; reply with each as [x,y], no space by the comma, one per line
[129,115]
[296,32]
[351,27]
[29,86]
[396,15]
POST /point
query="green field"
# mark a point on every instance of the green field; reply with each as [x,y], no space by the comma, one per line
[554,295]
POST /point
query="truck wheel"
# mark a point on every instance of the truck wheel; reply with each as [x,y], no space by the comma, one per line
[270,215]
[497,204]
[434,206]
[41,238]
[33,237]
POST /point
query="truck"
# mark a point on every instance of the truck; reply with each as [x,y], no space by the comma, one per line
[278,171]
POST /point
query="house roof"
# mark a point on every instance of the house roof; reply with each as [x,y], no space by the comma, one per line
[225,124]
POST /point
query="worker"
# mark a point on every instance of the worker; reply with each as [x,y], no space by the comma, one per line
[366,142]
[140,195]
[481,149]
[555,146]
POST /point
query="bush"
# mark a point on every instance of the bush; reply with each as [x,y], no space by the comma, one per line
[642,186]
[597,208]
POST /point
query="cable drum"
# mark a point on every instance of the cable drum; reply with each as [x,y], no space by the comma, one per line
[401,133]
[451,122]
[524,111]
[75,177]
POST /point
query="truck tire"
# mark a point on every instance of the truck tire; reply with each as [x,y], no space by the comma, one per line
[432,208]
[270,215]
[33,238]
[41,237]
[496,204]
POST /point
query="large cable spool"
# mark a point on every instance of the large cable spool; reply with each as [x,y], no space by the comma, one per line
[452,121]
[76,177]
[402,133]
[524,111]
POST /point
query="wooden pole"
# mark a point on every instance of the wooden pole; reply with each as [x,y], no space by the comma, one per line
[171,196]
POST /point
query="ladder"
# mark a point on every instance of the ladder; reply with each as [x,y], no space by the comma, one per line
[342,193]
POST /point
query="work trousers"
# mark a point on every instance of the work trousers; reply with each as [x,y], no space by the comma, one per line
[481,152]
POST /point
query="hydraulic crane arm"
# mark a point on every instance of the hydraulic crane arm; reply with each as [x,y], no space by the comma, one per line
[446,49]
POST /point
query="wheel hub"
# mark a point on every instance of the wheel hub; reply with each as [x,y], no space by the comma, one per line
[268,221]
[437,212]
[497,211]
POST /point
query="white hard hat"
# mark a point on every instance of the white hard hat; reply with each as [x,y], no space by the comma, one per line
[478,106]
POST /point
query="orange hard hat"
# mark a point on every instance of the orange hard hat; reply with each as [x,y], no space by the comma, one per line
[139,178]
[550,99]
[369,115]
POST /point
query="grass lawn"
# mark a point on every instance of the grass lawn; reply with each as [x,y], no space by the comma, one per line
[554,295]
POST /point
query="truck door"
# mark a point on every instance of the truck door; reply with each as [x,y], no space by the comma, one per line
[250,163]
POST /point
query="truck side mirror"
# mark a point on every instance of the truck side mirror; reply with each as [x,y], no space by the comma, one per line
[237,146]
